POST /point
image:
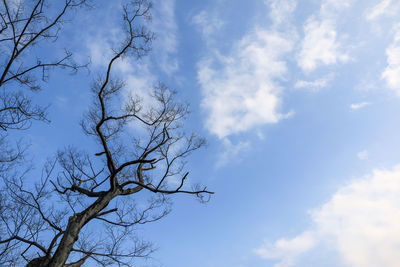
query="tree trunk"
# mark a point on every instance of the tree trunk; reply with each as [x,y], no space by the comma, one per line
[39,262]
[75,225]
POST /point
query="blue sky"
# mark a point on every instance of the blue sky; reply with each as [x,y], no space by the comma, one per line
[298,101]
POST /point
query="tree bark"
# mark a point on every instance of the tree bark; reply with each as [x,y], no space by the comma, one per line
[75,224]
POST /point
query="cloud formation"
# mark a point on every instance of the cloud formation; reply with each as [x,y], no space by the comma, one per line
[287,250]
[240,91]
[315,85]
[321,45]
[232,151]
[280,10]
[363,155]
[208,23]
[166,44]
[383,8]
[359,223]
[392,72]
[360,105]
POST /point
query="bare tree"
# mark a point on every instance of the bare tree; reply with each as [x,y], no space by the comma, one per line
[87,205]
[24,25]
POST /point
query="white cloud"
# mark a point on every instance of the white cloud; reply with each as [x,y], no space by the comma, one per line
[392,72]
[281,10]
[360,105]
[314,85]
[287,250]
[385,8]
[231,151]
[240,90]
[242,93]
[208,22]
[101,41]
[100,44]
[138,78]
[140,82]
[379,9]
[363,155]
[320,45]
[166,44]
[333,8]
[138,75]
[359,223]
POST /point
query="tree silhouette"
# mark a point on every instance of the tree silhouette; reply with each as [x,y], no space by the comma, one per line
[87,205]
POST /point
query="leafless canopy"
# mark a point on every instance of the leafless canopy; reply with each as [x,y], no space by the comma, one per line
[139,162]
[24,25]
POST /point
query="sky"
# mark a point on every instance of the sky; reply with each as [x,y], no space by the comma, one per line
[298,101]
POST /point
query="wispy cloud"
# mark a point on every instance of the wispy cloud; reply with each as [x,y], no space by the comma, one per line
[240,89]
[392,72]
[315,85]
[281,10]
[209,23]
[231,151]
[383,8]
[287,250]
[360,105]
[321,45]
[243,94]
[100,42]
[359,223]
[139,76]
[363,155]
[166,44]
